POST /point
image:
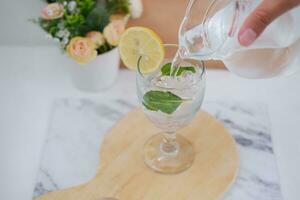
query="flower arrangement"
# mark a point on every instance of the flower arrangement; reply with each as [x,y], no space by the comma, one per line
[85,28]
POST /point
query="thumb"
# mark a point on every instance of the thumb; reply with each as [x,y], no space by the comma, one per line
[260,18]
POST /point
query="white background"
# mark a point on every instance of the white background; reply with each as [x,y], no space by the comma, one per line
[31,76]
[15,28]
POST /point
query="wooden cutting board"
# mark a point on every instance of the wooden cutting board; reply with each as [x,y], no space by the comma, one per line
[124,176]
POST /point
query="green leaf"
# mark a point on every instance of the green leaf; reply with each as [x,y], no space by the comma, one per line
[97,19]
[53,30]
[185,69]
[74,20]
[86,6]
[49,26]
[166,69]
[118,6]
[164,101]
[104,48]
[149,107]
[89,15]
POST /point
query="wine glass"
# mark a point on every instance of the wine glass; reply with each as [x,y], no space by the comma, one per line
[170,101]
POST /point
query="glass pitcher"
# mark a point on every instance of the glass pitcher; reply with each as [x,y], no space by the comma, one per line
[275,52]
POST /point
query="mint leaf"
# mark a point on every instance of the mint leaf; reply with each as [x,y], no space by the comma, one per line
[149,107]
[166,102]
[166,69]
[184,69]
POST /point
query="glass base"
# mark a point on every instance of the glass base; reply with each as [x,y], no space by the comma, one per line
[168,163]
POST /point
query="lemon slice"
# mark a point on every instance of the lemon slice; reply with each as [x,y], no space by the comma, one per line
[140,41]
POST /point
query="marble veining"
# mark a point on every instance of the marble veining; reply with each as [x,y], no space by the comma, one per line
[77,126]
[249,124]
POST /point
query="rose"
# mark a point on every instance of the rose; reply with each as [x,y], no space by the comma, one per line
[113,31]
[96,37]
[52,11]
[82,50]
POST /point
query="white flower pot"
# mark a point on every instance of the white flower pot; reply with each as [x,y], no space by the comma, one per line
[98,74]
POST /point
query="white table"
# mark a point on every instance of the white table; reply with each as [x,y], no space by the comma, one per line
[31,77]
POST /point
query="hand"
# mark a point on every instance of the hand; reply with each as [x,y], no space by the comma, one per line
[261,17]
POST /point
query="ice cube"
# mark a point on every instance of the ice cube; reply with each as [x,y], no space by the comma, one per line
[189,77]
[179,79]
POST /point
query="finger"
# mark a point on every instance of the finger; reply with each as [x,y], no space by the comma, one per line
[261,17]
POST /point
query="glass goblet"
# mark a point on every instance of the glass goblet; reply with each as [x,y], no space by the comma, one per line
[170,101]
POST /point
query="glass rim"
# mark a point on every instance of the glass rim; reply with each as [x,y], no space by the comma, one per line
[201,66]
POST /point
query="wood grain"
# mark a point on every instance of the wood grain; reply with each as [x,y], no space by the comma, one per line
[124,176]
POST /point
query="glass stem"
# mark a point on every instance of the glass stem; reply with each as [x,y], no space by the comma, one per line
[169,144]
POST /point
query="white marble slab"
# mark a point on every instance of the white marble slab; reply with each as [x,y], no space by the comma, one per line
[77,127]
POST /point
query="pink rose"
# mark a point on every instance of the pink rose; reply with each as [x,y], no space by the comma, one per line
[113,31]
[82,50]
[52,11]
[96,37]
